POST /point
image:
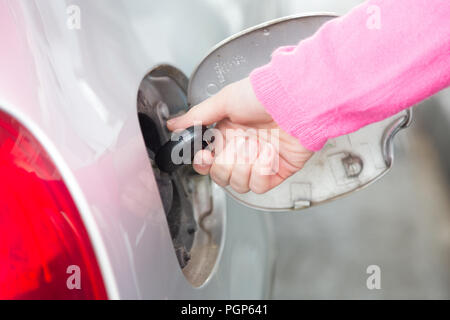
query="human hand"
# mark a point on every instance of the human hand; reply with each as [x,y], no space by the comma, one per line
[247,153]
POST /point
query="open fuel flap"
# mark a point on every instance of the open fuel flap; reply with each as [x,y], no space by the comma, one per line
[194,206]
[344,165]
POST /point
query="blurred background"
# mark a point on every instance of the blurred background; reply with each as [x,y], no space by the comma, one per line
[401,223]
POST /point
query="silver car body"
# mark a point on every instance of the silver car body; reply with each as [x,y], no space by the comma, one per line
[76,88]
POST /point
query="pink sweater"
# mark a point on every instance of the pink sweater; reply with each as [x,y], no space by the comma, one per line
[382,57]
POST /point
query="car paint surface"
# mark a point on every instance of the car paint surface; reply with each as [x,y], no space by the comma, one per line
[75,89]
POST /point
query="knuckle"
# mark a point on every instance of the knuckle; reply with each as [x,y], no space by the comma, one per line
[258,189]
[239,186]
[239,182]
[202,170]
[221,183]
[220,175]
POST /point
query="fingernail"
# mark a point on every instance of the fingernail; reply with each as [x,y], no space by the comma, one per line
[171,122]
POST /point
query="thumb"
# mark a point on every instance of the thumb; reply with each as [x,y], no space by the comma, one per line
[208,112]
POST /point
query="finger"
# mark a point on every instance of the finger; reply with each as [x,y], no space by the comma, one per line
[247,152]
[223,165]
[208,112]
[263,178]
[240,177]
[203,161]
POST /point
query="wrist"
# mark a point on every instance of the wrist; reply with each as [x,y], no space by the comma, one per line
[287,113]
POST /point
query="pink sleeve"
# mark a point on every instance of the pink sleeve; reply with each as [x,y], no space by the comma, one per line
[382,57]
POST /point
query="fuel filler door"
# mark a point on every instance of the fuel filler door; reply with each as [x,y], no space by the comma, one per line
[344,165]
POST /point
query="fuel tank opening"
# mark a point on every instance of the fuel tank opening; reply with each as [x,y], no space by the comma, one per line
[195,213]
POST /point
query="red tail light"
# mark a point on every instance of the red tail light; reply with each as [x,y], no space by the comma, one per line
[41,232]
